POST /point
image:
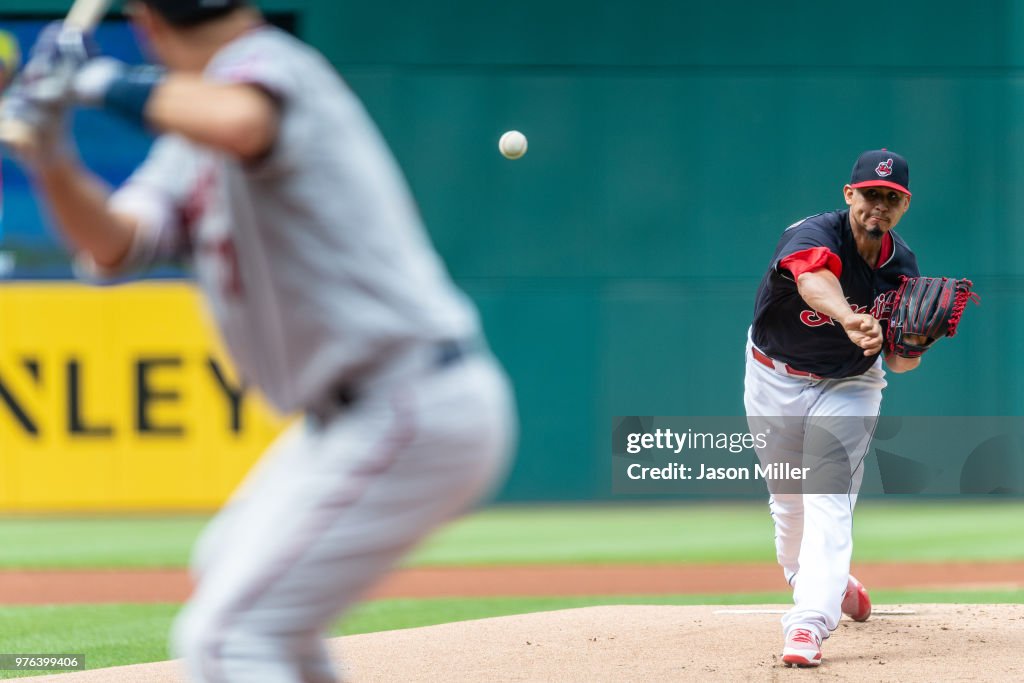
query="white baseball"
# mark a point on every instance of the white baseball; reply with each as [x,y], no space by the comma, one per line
[512,144]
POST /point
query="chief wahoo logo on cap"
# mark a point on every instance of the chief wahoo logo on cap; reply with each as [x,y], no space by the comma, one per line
[884,168]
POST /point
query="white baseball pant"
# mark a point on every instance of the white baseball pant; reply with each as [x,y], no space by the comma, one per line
[814,531]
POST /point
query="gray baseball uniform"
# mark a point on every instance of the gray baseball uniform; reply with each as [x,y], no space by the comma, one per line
[314,261]
[331,300]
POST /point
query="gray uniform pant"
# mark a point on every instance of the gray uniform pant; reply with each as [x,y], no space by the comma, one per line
[329,509]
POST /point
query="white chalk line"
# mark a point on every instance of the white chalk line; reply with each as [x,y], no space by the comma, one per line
[875,612]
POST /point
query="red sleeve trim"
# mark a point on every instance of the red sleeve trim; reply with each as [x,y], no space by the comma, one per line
[812,259]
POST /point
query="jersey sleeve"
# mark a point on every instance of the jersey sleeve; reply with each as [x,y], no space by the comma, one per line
[315,106]
[256,60]
[267,60]
[154,196]
[810,246]
[809,260]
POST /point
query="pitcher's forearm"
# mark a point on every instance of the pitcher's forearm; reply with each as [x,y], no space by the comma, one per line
[821,290]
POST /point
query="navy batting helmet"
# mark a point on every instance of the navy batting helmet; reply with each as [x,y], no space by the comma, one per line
[192,12]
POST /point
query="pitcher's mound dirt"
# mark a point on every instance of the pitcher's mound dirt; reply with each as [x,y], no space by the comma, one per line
[668,643]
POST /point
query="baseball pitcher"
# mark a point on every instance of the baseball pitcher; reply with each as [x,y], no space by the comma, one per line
[842,292]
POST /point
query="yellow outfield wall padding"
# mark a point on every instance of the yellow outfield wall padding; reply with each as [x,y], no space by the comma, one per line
[120,398]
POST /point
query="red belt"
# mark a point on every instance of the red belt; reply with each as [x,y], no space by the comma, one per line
[780,367]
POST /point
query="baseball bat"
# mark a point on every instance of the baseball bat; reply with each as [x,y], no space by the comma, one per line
[83,16]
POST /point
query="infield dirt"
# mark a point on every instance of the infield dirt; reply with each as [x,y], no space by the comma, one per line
[667,643]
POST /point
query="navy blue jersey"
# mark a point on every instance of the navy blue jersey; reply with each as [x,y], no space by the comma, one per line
[789,330]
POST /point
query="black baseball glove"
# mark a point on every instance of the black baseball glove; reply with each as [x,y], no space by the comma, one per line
[922,310]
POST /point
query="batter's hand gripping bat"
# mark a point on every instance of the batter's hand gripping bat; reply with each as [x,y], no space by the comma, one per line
[83,16]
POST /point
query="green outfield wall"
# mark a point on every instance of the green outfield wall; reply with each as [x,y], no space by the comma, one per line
[670,143]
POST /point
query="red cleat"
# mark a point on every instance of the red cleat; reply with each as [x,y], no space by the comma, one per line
[856,603]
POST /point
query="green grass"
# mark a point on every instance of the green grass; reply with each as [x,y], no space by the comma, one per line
[59,543]
[108,635]
[884,531]
[949,530]
[112,635]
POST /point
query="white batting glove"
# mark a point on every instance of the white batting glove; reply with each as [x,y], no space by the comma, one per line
[56,57]
[124,89]
[93,80]
[35,132]
[32,118]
